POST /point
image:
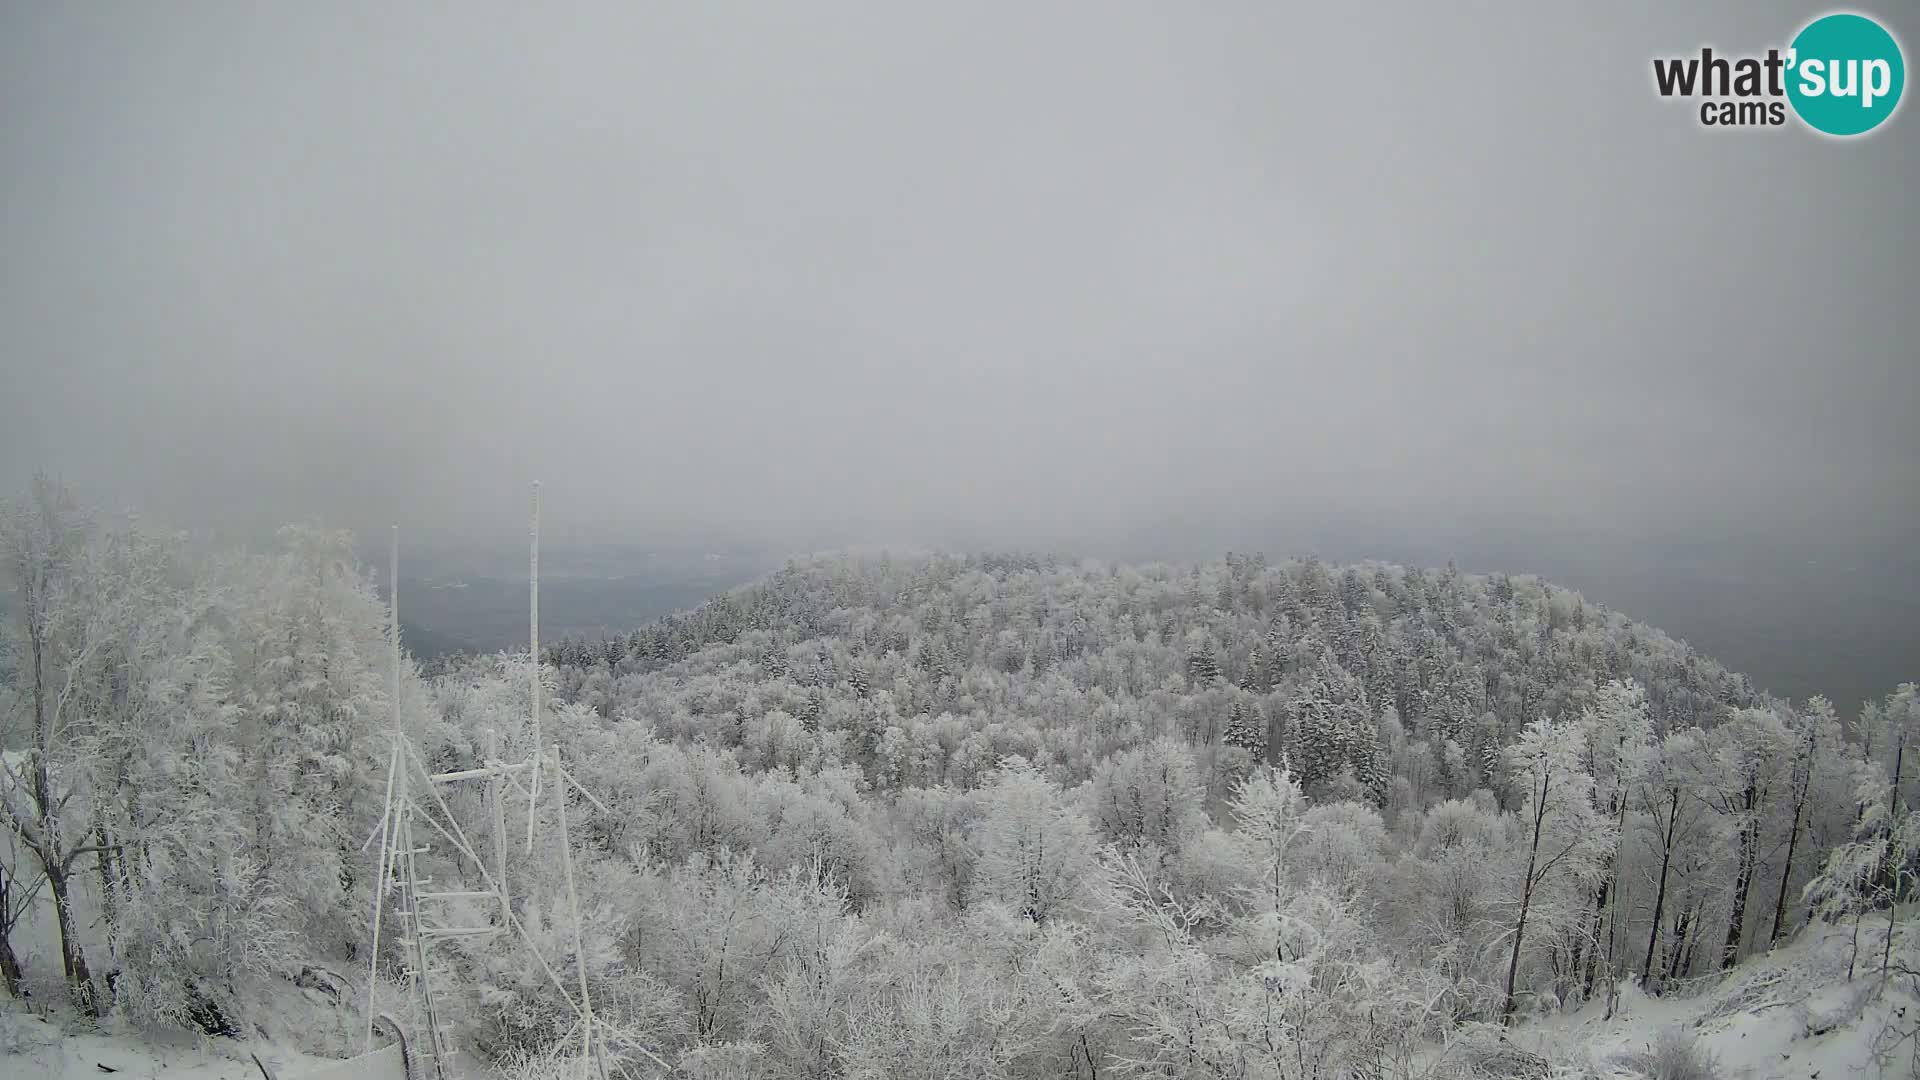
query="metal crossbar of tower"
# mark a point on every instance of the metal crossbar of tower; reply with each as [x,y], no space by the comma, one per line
[414,807]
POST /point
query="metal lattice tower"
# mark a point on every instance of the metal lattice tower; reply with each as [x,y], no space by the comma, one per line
[423,918]
[413,800]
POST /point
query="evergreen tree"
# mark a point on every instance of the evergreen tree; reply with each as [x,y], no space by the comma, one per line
[1245,730]
[1203,667]
[1255,680]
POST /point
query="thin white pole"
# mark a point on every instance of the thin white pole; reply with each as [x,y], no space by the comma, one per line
[380,890]
[393,768]
[497,794]
[573,905]
[393,620]
[584,793]
[533,639]
[475,774]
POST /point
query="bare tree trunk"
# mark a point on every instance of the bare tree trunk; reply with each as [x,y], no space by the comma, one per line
[1526,901]
[1693,941]
[1886,952]
[10,973]
[1793,841]
[1660,894]
[72,957]
[37,553]
[1892,871]
[1742,882]
[9,963]
[1618,806]
[1854,956]
[109,880]
[1614,939]
[1678,953]
[1893,892]
[1609,888]
[1588,934]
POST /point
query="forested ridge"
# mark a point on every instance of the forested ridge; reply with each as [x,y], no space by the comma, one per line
[981,816]
[1066,661]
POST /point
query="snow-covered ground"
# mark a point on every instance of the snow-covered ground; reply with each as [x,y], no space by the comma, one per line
[299,1032]
[34,1047]
[1789,1015]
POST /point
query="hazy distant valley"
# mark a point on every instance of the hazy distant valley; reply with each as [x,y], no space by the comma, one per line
[475,600]
[1798,619]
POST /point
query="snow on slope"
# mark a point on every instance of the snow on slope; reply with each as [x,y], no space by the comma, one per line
[298,1030]
[32,1047]
[1789,1015]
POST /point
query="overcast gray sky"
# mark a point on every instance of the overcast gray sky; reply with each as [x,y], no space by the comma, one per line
[1038,270]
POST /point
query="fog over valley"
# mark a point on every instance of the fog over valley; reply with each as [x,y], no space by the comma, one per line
[708,284]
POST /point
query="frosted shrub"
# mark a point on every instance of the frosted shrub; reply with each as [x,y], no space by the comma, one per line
[23,1034]
[550,1064]
[515,1012]
[723,1061]
[1674,1055]
[1482,1051]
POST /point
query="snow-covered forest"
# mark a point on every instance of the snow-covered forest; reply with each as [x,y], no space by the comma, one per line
[930,815]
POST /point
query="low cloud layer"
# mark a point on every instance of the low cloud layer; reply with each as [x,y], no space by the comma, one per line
[962,271]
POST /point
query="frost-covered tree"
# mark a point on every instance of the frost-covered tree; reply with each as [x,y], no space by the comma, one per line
[184,922]
[714,926]
[309,676]
[1567,841]
[1269,815]
[1448,906]
[53,637]
[1618,740]
[1148,797]
[158,751]
[1329,727]
[1203,665]
[1035,849]
[1344,851]
[1295,992]
[1890,733]
[1750,755]
[1673,823]
[1246,730]
[1816,768]
[1872,869]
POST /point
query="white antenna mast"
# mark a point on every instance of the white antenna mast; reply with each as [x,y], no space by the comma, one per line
[393,620]
[533,639]
[393,769]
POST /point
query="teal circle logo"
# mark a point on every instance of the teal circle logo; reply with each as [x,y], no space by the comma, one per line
[1845,74]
